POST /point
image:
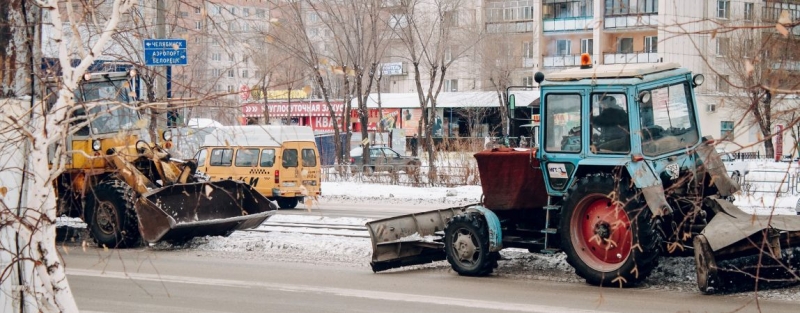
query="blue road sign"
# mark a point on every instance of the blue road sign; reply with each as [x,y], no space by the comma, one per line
[164,52]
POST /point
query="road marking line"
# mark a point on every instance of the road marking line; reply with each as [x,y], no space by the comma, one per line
[344,292]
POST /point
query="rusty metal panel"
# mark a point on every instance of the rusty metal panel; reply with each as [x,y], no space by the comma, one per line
[712,163]
[511,179]
[730,224]
[650,184]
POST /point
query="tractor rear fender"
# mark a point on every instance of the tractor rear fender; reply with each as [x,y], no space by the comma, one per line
[493,223]
[715,169]
[646,180]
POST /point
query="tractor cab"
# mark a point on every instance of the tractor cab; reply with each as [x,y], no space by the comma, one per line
[612,116]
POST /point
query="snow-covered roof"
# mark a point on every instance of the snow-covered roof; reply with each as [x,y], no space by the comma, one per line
[461,99]
[203,123]
[258,135]
[611,71]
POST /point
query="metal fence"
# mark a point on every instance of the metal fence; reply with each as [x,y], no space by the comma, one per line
[417,176]
[782,182]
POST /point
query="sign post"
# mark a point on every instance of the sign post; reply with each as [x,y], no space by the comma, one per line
[166,52]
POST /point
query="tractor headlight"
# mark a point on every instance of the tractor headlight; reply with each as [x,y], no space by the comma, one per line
[96,145]
[167,135]
[698,80]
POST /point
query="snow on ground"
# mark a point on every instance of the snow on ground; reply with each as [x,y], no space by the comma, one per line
[674,274]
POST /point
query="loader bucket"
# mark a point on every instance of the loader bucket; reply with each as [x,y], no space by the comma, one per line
[736,245]
[180,212]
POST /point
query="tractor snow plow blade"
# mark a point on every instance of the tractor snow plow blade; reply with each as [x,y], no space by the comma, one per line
[737,245]
[409,239]
[183,211]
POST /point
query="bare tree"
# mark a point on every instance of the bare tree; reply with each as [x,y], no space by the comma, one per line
[359,32]
[28,201]
[434,36]
[289,32]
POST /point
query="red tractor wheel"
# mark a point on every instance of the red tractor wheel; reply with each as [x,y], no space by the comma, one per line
[607,233]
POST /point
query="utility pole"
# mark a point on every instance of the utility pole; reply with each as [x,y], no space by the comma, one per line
[160,82]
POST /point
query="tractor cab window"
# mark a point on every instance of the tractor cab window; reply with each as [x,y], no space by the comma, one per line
[610,132]
[110,90]
[667,120]
[563,122]
[111,118]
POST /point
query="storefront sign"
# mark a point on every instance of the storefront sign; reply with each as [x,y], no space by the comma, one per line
[300,108]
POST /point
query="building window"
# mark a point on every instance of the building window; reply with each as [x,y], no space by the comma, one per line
[748,11]
[261,13]
[648,6]
[245,27]
[198,25]
[451,18]
[233,10]
[246,12]
[215,42]
[230,73]
[587,46]
[184,14]
[245,59]
[563,47]
[230,88]
[216,9]
[651,44]
[711,108]
[312,17]
[723,9]
[244,74]
[215,72]
[197,10]
[722,46]
[726,130]
[527,81]
[625,45]
[231,57]
[448,54]
[451,85]
[527,13]
[722,83]
[527,49]
[216,57]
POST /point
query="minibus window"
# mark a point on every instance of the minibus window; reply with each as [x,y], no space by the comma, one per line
[289,158]
[221,157]
[246,157]
[309,158]
[267,157]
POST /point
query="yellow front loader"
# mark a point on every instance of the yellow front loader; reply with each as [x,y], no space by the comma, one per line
[126,186]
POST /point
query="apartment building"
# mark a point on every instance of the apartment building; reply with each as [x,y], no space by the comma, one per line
[681,31]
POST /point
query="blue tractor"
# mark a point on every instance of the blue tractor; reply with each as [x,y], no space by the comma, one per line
[621,179]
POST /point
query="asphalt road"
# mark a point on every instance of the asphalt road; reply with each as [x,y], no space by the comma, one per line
[144,280]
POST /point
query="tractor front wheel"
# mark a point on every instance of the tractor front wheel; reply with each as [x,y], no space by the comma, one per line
[467,245]
[608,232]
[110,215]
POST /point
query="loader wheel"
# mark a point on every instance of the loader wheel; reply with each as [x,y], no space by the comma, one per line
[706,266]
[110,215]
[287,203]
[467,245]
[609,243]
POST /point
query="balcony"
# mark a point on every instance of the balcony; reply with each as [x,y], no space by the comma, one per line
[631,21]
[562,60]
[577,23]
[771,12]
[630,58]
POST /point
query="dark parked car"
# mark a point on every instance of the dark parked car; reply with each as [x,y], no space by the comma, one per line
[384,159]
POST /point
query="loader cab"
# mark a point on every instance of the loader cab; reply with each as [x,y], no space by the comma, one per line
[607,117]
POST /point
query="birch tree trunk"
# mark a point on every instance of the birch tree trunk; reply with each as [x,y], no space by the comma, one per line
[28,213]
